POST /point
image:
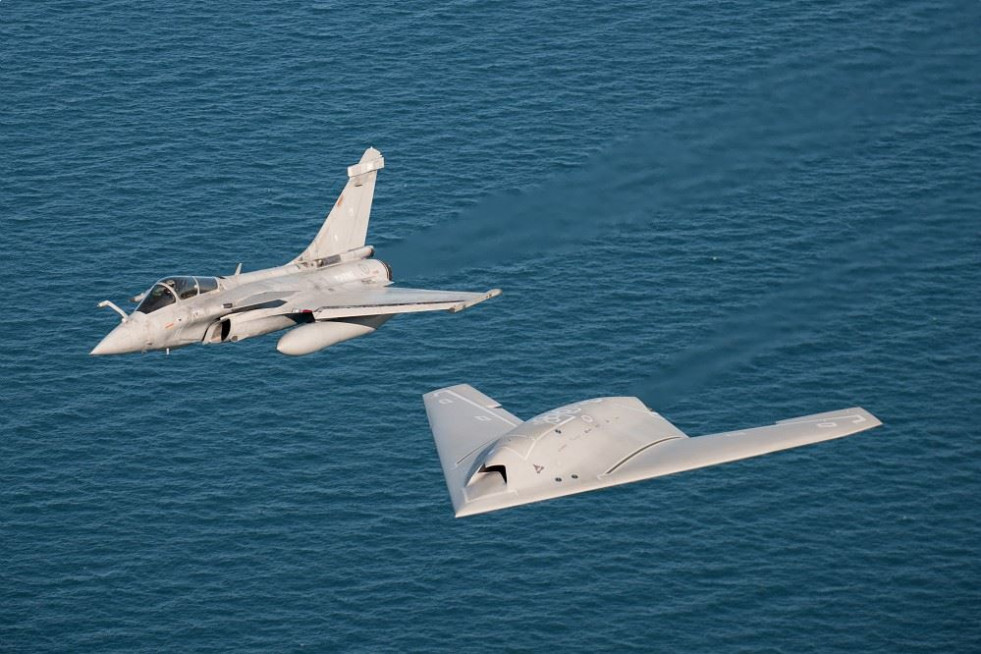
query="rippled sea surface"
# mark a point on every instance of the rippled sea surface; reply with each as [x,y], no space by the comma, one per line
[739,211]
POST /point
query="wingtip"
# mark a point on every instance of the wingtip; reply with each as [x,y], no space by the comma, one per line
[494,292]
[873,420]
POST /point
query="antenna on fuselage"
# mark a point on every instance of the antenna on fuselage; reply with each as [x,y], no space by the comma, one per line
[238,269]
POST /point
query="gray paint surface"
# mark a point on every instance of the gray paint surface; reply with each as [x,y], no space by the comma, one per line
[333,290]
[492,460]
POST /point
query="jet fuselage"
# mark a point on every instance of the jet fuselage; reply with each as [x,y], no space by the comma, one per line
[331,292]
[181,311]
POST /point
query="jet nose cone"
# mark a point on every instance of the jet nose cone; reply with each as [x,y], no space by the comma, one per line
[121,340]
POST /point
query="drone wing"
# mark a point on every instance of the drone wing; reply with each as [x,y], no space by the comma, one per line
[464,421]
[678,455]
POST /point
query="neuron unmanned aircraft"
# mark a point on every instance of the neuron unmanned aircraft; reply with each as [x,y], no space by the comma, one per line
[492,460]
[334,291]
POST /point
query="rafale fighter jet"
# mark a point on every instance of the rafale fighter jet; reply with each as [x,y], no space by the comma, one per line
[332,292]
[492,460]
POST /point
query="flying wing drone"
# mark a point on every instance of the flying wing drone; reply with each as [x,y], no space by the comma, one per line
[492,460]
[332,292]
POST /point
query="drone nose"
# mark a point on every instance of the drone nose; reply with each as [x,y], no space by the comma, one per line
[121,340]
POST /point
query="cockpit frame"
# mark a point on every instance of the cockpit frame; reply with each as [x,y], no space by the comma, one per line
[170,290]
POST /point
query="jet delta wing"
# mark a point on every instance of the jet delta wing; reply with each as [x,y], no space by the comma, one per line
[492,460]
[332,292]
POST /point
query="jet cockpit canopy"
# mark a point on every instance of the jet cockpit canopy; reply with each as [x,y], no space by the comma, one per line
[170,289]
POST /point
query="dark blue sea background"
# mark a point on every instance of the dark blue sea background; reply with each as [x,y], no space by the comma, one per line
[740,211]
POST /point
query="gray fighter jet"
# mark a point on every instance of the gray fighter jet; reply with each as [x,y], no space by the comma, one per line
[492,460]
[332,292]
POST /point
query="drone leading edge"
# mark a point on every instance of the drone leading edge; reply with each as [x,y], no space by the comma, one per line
[332,292]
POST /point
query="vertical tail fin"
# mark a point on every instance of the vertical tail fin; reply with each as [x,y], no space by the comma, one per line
[346,225]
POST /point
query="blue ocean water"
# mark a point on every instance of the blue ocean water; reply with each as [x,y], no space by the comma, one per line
[739,211]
